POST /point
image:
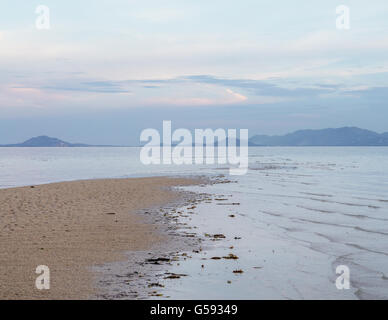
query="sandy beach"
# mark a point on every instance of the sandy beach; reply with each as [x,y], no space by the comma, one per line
[71,226]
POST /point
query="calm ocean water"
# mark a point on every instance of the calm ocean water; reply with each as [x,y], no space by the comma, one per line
[303,211]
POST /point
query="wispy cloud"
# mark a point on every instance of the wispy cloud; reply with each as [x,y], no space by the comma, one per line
[237,95]
[93,86]
[259,87]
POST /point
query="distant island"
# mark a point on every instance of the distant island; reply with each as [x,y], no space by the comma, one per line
[346,136]
[45,141]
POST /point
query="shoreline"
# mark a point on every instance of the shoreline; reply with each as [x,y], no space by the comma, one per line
[141,274]
[76,227]
[156,273]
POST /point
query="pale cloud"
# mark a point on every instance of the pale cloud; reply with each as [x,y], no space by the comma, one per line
[15,97]
[239,97]
[168,54]
[325,41]
[160,15]
[204,95]
[180,102]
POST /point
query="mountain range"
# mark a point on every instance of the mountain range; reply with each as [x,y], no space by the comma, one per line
[346,136]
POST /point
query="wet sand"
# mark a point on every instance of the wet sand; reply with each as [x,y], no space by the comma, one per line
[72,226]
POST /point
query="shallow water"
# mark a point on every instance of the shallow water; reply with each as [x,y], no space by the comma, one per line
[302,212]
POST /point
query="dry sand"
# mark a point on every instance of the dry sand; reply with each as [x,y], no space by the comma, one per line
[71,226]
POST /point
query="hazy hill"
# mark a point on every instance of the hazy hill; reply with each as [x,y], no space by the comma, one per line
[44,141]
[347,136]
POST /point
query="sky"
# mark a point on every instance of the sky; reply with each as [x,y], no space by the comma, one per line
[105,70]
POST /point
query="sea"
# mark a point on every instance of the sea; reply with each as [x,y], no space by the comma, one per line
[304,222]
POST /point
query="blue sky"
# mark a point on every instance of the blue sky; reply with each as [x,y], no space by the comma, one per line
[107,69]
